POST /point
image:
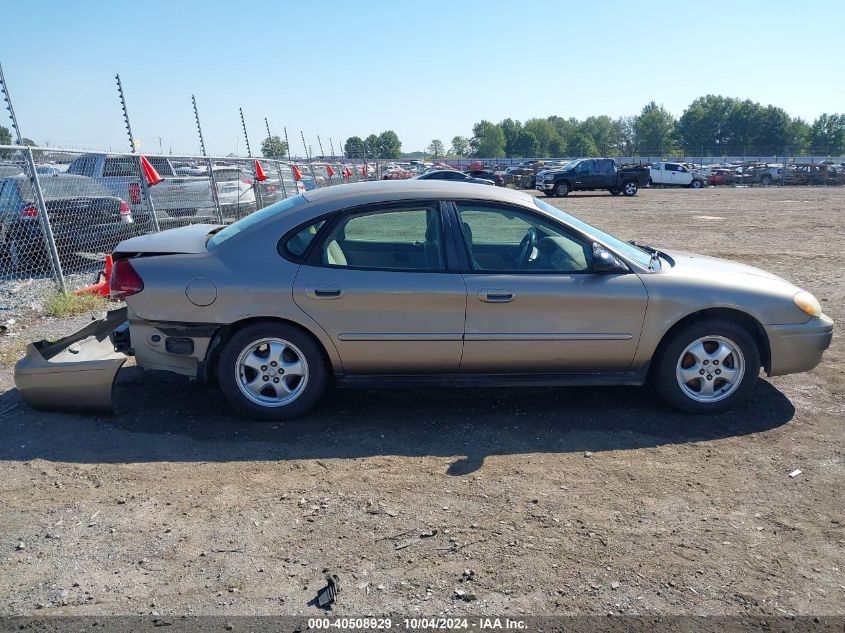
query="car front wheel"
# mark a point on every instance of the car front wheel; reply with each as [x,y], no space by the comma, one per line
[615,191]
[707,367]
[562,189]
[272,371]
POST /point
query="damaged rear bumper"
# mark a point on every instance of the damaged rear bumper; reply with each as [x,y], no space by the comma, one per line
[75,373]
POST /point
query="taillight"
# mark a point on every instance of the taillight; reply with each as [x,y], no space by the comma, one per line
[29,212]
[135,192]
[124,280]
[246,181]
[124,208]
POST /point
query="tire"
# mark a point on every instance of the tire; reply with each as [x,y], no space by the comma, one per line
[305,381]
[678,354]
[561,189]
[630,188]
[766,180]
[696,184]
[615,191]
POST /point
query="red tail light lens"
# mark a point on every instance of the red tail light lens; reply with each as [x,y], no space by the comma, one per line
[124,281]
[135,192]
[29,212]
[124,208]
[246,181]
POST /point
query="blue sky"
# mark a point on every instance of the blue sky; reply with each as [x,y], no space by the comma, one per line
[424,69]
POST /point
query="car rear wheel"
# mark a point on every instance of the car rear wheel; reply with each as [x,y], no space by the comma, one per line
[696,184]
[561,189]
[272,371]
[707,367]
[630,188]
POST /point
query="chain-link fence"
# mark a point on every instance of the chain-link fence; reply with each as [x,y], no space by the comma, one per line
[63,211]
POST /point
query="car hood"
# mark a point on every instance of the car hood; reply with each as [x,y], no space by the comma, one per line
[185,239]
[693,264]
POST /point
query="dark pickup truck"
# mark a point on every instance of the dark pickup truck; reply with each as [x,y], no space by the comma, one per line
[590,174]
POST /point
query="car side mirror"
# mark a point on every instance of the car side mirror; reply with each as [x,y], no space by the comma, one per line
[606,262]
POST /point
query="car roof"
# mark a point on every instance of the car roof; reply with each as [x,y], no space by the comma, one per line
[387,190]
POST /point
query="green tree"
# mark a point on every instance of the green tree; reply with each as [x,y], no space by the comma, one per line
[653,129]
[372,146]
[525,144]
[545,133]
[435,148]
[828,133]
[389,145]
[488,140]
[273,147]
[354,147]
[5,136]
[626,135]
[602,131]
[565,128]
[703,125]
[800,137]
[581,145]
[460,146]
[511,130]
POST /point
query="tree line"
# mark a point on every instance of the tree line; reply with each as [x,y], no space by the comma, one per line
[712,125]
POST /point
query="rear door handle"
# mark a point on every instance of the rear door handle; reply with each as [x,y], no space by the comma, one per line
[324,292]
[495,295]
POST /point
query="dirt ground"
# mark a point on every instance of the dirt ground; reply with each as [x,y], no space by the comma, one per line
[529,501]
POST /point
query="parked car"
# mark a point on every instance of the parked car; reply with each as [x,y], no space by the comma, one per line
[177,199]
[721,176]
[235,191]
[452,175]
[83,214]
[675,175]
[487,175]
[590,174]
[428,283]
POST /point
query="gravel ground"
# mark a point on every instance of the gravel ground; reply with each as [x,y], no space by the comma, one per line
[527,501]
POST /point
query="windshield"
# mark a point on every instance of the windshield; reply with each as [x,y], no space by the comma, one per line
[251,220]
[630,251]
[570,164]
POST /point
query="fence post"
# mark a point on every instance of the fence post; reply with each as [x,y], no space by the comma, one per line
[281,178]
[214,193]
[44,220]
[145,191]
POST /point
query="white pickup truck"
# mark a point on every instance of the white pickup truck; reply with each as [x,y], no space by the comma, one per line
[178,200]
[675,175]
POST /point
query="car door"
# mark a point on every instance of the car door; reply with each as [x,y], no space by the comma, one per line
[378,283]
[541,308]
[681,177]
[585,175]
[659,175]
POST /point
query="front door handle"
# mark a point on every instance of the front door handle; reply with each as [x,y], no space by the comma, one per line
[495,295]
[324,292]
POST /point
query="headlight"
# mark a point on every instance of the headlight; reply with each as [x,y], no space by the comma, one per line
[808,303]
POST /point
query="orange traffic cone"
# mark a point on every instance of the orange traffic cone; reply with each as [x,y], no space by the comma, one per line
[260,176]
[150,172]
[102,285]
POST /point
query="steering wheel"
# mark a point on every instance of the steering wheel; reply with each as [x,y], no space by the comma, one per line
[526,248]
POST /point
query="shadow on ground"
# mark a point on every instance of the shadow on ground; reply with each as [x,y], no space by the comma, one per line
[162,417]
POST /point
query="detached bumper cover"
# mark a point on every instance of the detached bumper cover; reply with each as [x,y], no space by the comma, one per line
[797,348]
[75,373]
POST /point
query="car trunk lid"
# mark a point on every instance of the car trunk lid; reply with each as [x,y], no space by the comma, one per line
[183,240]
